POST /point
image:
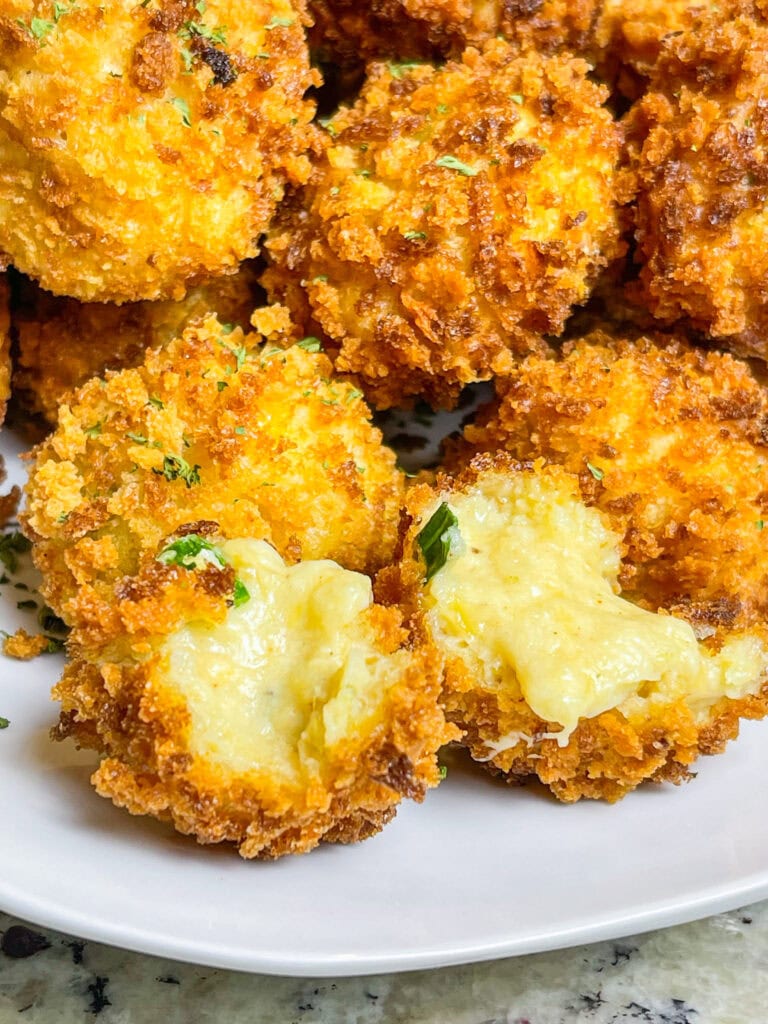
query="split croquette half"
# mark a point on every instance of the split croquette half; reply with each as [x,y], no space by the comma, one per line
[553,670]
[699,140]
[252,702]
[61,343]
[457,216]
[145,147]
[215,426]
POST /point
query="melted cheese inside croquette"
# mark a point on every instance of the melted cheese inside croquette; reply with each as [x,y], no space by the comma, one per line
[288,674]
[529,599]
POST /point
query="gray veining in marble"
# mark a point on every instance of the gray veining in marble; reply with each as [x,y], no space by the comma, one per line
[711,972]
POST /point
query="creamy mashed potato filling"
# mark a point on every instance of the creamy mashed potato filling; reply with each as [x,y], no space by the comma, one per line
[529,599]
[289,673]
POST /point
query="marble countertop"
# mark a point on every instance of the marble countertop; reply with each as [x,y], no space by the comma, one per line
[713,971]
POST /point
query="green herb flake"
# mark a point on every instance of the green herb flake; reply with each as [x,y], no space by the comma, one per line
[443,771]
[227,328]
[4,723]
[93,431]
[517,98]
[361,172]
[596,472]
[241,594]
[220,385]
[415,236]
[55,645]
[50,621]
[353,395]
[156,402]
[40,28]
[310,344]
[240,431]
[12,545]
[192,552]
[137,438]
[27,605]
[320,279]
[278,22]
[398,68]
[760,524]
[436,538]
[176,467]
[452,163]
[183,107]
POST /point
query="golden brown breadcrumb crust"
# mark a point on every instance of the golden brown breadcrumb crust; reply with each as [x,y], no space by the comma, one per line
[61,343]
[5,345]
[457,216]
[216,427]
[699,138]
[24,646]
[347,31]
[144,147]
[120,706]
[607,756]
[671,442]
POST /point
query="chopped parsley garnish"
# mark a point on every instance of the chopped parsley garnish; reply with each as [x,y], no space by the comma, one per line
[436,538]
[4,723]
[176,467]
[195,552]
[443,771]
[760,524]
[227,328]
[156,402]
[397,68]
[11,545]
[221,384]
[196,28]
[517,98]
[452,163]
[137,438]
[183,107]
[596,472]
[94,431]
[278,22]
[353,395]
[415,236]
[50,621]
[310,344]
[54,646]
[27,605]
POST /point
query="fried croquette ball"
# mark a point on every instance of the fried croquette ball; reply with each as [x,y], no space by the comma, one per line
[347,31]
[5,345]
[61,343]
[457,216]
[250,701]
[700,135]
[553,669]
[215,426]
[629,35]
[669,441]
[144,147]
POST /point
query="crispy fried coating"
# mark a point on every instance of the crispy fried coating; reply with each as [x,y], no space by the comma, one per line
[5,346]
[297,758]
[457,216]
[347,31]
[215,426]
[144,147]
[61,343]
[699,138]
[629,35]
[655,731]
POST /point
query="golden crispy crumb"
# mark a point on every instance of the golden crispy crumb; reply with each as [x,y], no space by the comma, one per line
[699,141]
[62,343]
[144,147]
[25,646]
[457,216]
[214,426]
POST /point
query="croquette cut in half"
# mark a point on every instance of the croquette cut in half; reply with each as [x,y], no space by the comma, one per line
[246,700]
[145,146]
[61,343]
[597,578]
[457,215]
[216,426]
[699,140]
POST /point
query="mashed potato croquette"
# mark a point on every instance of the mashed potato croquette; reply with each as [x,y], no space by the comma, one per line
[590,691]
[700,141]
[347,31]
[457,215]
[61,343]
[215,426]
[145,146]
[246,700]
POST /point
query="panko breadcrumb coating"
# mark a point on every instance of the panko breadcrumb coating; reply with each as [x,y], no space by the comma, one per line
[670,444]
[5,345]
[61,343]
[347,31]
[629,36]
[700,137]
[457,216]
[144,147]
[246,701]
[215,426]
[553,668]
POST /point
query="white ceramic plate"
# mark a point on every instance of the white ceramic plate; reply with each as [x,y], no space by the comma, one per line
[479,871]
